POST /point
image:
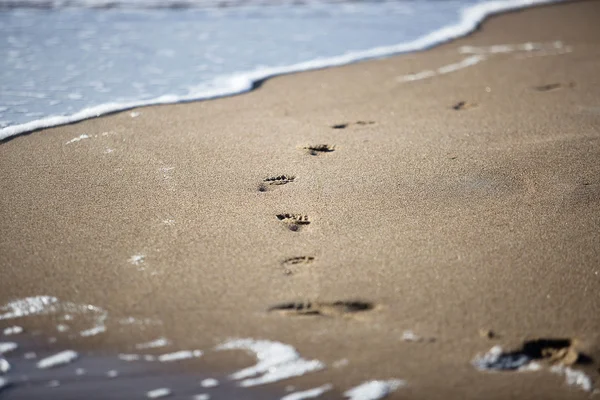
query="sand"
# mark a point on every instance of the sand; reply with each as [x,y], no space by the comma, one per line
[462,202]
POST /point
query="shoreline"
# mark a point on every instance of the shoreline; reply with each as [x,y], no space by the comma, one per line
[433,211]
[246,82]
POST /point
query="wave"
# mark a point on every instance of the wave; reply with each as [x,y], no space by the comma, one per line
[162,4]
[469,20]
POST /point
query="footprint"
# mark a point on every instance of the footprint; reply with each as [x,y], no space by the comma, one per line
[323,309]
[548,87]
[463,105]
[346,124]
[294,221]
[553,86]
[290,264]
[561,351]
[551,351]
[317,149]
[275,181]
[298,260]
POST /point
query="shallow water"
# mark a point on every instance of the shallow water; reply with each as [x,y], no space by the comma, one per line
[72,63]
[96,376]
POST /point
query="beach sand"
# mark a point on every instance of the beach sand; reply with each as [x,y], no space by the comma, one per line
[464,201]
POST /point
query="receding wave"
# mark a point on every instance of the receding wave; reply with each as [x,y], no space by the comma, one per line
[216,85]
[169,4]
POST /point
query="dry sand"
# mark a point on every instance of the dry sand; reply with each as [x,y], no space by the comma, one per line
[446,221]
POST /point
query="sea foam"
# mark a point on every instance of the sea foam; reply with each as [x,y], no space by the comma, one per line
[58,359]
[275,361]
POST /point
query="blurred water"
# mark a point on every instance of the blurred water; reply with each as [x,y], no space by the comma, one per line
[96,376]
[60,61]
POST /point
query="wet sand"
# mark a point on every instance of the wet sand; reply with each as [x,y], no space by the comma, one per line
[451,199]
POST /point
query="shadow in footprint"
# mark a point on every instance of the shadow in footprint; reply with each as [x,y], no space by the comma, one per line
[291,264]
[317,149]
[323,309]
[553,86]
[463,105]
[293,221]
[347,124]
[275,181]
[339,126]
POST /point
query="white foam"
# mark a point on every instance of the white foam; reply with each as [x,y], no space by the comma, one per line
[179,355]
[480,54]
[129,357]
[112,373]
[168,357]
[507,48]
[160,342]
[44,305]
[78,138]
[276,361]
[80,371]
[410,336]
[30,355]
[58,359]
[4,366]
[374,390]
[3,383]
[150,357]
[54,383]
[574,377]
[467,62]
[531,366]
[137,259]
[93,331]
[418,76]
[209,382]
[497,360]
[340,363]
[308,394]
[201,396]
[6,347]
[13,330]
[158,393]
[139,321]
[234,84]
[27,306]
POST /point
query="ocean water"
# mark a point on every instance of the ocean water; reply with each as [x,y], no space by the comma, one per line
[36,364]
[67,60]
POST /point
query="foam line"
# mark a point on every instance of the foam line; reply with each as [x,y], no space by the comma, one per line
[374,390]
[480,54]
[6,347]
[58,359]
[275,361]
[4,366]
[308,394]
[4,383]
[45,305]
